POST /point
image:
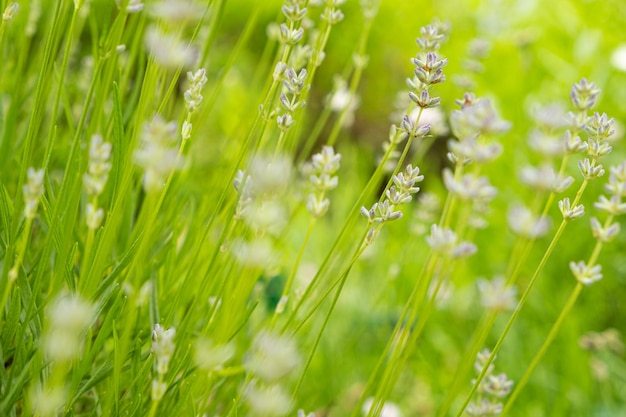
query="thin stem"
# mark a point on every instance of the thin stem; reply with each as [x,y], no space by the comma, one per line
[516,312]
[318,338]
[546,344]
[354,84]
[22,244]
[294,269]
[448,206]
[366,190]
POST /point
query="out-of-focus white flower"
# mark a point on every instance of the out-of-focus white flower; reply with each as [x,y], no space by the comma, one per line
[586,274]
[209,356]
[10,11]
[270,176]
[477,117]
[169,50]
[524,223]
[177,12]
[33,190]
[434,117]
[341,99]
[258,253]
[495,294]
[618,58]
[163,349]
[272,357]
[389,409]
[268,401]
[158,154]
[47,401]
[68,318]
[134,6]
[99,166]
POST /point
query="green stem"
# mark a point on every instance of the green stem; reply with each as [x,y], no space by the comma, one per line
[294,269]
[373,180]
[354,84]
[448,206]
[318,338]
[518,308]
[553,332]
[14,271]
[514,267]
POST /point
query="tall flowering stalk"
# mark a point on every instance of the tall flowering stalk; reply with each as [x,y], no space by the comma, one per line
[96,178]
[67,320]
[599,128]
[193,99]
[322,179]
[163,348]
[428,72]
[33,191]
[586,273]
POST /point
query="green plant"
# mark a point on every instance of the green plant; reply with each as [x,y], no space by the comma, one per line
[198,215]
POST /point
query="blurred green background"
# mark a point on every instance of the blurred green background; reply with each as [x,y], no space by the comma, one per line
[538,49]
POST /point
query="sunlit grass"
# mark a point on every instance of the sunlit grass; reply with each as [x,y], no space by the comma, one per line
[214,208]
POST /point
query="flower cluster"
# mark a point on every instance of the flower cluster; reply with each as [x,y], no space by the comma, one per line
[169,50]
[321,172]
[331,13]
[163,349]
[399,193]
[134,6]
[524,223]
[588,273]
[426,213]
[604,347]
[193,96]
[369,8]
[99,166]
[599,129]
[33,190]
[445,242]
[475,119]
[271,360]
[469,187]
[496,295]
[428,67]
[163,39]
[288,32]
[210,356]
[10,11]
[293,86]
[609,339]
[177,13]
[342,100]
[546,140]
[544,179]
[262,196]
[158,153]
[616,188]
[491,390]
[584,95]
[96,178]
[428,71]
[472,125]
[68,318]
[260,189]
